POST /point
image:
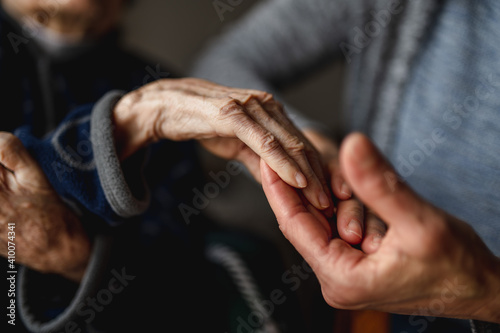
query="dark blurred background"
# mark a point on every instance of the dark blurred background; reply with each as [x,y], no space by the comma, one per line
[173,33]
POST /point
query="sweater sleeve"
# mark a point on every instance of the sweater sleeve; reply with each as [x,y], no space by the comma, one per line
[81,163]
[276,43]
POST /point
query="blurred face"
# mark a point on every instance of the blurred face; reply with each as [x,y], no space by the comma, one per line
[76,19]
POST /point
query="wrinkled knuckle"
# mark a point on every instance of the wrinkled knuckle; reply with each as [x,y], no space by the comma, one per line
[267,97]
[269,144]
[230,109]
[249,99]
[297,146]
[261,95]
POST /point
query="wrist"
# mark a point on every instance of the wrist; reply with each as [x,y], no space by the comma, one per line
[132,131]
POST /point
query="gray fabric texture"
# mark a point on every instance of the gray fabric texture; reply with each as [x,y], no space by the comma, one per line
[122,199]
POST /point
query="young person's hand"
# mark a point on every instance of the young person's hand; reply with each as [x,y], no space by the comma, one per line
[426,257]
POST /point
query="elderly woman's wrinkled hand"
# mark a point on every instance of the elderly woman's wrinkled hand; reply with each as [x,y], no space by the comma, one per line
[35,225]
[232,123]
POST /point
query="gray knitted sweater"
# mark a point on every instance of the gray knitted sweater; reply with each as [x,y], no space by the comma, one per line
[422,81]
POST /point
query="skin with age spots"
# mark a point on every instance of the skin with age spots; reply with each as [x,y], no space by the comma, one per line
[48,236]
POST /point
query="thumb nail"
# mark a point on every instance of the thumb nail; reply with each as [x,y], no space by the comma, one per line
[354,227]
[344,189]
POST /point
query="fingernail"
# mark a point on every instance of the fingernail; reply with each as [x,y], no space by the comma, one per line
[323,200]
[354,227]
[301,180]
[344,189]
